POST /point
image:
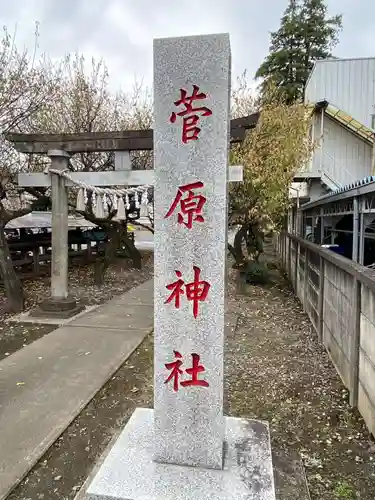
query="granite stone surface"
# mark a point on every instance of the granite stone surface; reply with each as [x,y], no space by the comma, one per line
[189,422]
[129,472]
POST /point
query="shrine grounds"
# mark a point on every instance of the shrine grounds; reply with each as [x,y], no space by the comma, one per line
[275,369]
[120,278]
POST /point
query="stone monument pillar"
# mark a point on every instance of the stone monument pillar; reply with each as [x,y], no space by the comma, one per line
[191,127]
[185,448]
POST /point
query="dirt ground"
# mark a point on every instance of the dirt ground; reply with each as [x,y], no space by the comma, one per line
[275,370]
[120,278]
[278,371]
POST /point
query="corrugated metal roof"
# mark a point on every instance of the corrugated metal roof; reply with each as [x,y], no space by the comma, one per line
[344,119]
[353,185]
[349,122]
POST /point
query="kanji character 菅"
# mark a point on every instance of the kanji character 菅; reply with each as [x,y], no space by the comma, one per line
[190,130]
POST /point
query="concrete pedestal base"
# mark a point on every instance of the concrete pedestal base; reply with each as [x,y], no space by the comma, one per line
[57,308]
[129,472]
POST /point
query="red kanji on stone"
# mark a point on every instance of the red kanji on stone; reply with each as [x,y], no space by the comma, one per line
[194,371]
[176,372]
[196,291]
[190,130]
[190,207]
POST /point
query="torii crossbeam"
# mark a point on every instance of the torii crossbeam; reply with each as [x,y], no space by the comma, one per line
[60,304]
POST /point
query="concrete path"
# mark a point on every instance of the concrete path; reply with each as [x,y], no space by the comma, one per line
[45,385]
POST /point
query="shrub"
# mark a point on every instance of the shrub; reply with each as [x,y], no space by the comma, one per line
[256,273]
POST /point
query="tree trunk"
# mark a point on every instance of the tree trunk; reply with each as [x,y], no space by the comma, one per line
[231,251]
[254,241]
[102,263]
[132,251]
[117,239]
[12,282]
[238,252]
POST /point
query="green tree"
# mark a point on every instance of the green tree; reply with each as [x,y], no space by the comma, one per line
[270,155]
[306,33]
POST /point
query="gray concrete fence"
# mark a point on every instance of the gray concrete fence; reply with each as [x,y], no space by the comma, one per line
[338,295]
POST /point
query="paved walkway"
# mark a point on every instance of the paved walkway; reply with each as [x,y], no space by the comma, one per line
[45,385]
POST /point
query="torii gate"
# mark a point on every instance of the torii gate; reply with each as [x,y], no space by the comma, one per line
[60,148]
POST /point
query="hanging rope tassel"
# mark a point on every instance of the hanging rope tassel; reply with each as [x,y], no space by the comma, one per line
[127,202]
[144,203]
[99,208]
[136,199]
[81,205]
[121,214]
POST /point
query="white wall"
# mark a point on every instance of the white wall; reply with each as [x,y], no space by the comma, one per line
[349,84]
[346,157]
[316,190]
[316,137]
[343,155]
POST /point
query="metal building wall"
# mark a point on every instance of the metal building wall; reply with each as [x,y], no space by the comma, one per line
[340,153]
[317,139]
[349,84]
[346,157]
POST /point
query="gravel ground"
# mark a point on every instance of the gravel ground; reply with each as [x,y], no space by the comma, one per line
[275,370]
[119,279]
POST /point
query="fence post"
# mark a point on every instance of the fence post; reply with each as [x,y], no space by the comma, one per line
[355,228]
[290,259]
[321,298]
[355,343]
[361,236]
[305,281]
[296,263]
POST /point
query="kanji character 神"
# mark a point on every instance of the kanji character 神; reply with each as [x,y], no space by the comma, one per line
[176,372]
[191,206]
[196,291]
[190,131]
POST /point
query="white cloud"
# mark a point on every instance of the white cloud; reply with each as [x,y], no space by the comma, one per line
[121,31]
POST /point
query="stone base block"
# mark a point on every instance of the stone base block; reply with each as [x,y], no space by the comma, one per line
[129,472]
[57,308]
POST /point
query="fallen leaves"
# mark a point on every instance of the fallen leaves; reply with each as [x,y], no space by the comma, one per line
[277,370]
[120,278]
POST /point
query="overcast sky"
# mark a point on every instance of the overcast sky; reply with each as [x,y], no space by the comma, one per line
[121,31]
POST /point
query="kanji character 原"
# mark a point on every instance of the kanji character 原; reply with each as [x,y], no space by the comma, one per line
[190,207]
